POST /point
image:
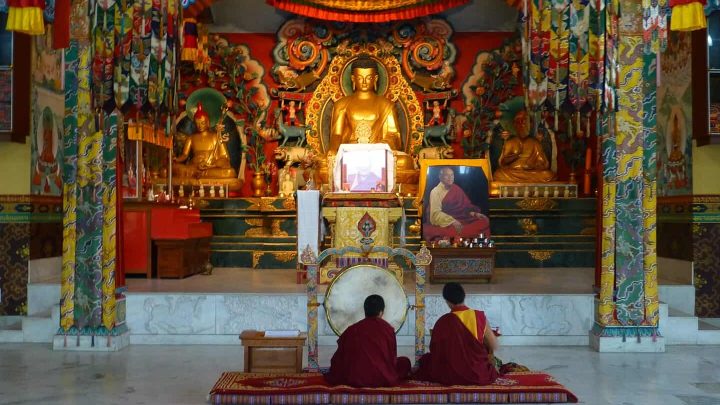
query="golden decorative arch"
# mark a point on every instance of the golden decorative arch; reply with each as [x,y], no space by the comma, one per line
[398,89]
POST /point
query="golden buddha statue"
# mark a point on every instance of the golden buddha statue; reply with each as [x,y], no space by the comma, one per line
[364,116]
[367,117]
[210,162]
[523,159]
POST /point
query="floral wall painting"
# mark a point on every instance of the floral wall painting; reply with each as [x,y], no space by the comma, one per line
[46,142]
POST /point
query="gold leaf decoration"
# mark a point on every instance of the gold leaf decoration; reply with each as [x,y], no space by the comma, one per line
[537,204]
[541,255]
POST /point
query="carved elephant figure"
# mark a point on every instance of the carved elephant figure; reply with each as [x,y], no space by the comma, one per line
[441,132]
[287,132]
[290,154]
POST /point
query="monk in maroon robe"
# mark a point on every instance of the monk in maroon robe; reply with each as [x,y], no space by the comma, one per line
[367,352]
[449,213]
[461,345]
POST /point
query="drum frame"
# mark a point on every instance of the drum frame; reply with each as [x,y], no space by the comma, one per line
[311,262]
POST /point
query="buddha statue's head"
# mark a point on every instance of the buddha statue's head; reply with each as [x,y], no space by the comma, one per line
[201,118]
[521,122]
[364,75]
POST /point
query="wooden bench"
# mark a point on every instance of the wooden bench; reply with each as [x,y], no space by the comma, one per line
[272,354]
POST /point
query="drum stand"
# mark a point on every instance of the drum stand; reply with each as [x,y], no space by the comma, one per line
[311,264]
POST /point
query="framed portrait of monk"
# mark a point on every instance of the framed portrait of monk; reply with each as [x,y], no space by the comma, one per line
[454,198]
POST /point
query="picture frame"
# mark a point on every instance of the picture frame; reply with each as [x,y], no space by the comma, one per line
[461,208]
[364,171]
[132,170]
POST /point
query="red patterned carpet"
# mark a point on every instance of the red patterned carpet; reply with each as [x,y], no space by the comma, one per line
[311,388]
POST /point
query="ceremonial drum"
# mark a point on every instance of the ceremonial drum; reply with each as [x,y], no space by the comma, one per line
[347,292]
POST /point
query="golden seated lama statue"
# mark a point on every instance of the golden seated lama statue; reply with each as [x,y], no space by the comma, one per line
[523,159]
[210,161]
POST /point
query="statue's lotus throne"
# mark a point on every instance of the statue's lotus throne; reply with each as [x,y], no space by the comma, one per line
[392,84]
[213,103]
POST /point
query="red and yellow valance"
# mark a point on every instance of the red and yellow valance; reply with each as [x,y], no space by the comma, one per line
[365,11]
[687,15]
[26,16]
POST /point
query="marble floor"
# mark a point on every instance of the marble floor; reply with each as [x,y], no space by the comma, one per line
[34,374]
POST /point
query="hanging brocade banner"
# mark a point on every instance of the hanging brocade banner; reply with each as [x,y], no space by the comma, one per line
[655,15]
[569,54]
[133,54]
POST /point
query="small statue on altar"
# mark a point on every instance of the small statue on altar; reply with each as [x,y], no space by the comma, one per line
[210,159]
[523,159]
[287,186]
[437,112]
[291,112]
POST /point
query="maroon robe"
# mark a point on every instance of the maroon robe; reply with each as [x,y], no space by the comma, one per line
[456,357]
[367,356]
[457,204]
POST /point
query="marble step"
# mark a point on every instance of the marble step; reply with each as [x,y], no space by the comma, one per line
[709,331]
[11,330]
[42,297]
[678,296]
[681,328]
[41,328]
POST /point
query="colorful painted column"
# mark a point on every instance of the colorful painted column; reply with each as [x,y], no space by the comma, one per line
[628,311]
[88,313]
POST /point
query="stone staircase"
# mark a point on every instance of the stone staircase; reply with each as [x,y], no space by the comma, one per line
[43,319]
[678,324]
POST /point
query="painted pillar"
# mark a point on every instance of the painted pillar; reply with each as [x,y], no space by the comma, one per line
[628,311]
[87,302]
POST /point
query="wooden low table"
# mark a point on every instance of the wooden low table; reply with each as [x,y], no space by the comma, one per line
[466,265]
[272,354]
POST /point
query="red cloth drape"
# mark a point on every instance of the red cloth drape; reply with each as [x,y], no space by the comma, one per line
[61,25]
[345,14]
